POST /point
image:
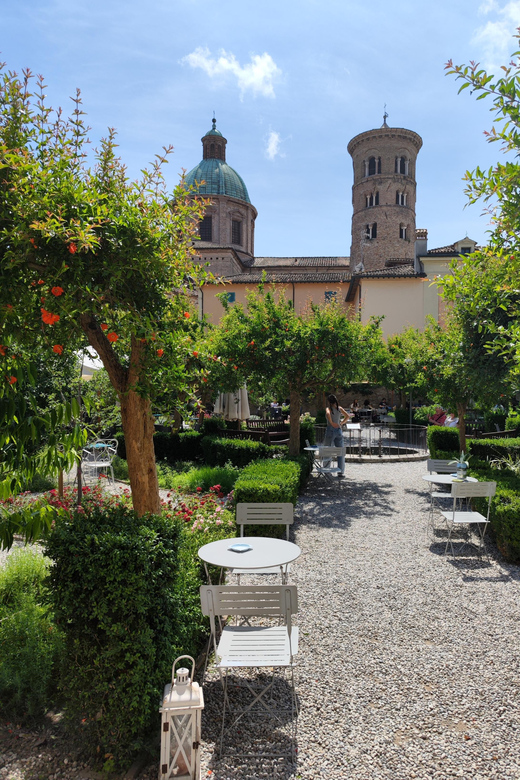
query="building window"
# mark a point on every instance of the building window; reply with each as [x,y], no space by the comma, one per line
[465,250]
[372,199]
[402,231]
[231,297]
[401,165]
[372,166]
[371,230]
[330,296]
[236,232]
[400,198]
[205,229]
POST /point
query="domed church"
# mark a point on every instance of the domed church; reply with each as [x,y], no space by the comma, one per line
[389,260]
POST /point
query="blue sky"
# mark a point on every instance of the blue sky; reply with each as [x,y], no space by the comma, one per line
[290,82]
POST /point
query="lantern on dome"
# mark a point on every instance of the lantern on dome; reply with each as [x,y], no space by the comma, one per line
[181,712]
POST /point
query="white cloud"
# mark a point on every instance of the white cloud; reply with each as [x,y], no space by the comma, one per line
[257,76]
[495,37]
[272,148]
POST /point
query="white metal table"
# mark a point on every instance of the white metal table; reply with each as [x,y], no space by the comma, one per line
[259,552]
[446,479]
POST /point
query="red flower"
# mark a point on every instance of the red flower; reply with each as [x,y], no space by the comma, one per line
[199,490]
[58,349]
[153,336]
[187,315]
[251,343]
[33,242]
[11,379]
[57,291]
[40,281]
[73,249]
[236,368]
[204,379]
[160,352]
[49,318]
[195,354]
[113,337]
[104,326]
[2,350]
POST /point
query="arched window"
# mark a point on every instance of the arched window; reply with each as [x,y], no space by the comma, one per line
[205,229]
[372,199]
[401,165]
[212,150]
[402,231]
[236,232]
[371,230]
[372,166]
[400,198]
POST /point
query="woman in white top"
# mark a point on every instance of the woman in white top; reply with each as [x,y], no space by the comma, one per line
[336,417]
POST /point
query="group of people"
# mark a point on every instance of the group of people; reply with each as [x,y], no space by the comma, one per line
[440,417]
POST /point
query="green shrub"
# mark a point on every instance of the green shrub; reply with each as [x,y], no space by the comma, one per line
[440,439]
[239,452]
[114,591]
[307,431]
[305,462]
[172,447]
[505,509]
[268,481]
[204,477]
[402,416]
[40,483]
[490,449]
[30,642]
[213,426]
[321,418]
[494,418]
[421,415]
[513,421]
[120,467]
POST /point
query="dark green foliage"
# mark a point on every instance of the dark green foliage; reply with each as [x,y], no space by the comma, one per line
[30,643]
[489,449]
[492,419]
[268,481]
[213,426]
[505,509]
[172,447]
[513,421]
[304,461]
[204,477]
[113,588]
[441,439]
[422,414]
[307,431]
[238,452]
[39,483]
[402,417]
[321,418]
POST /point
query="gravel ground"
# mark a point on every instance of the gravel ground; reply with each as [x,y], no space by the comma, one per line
[408,665]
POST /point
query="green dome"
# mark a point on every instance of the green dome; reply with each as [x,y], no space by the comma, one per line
[219,179]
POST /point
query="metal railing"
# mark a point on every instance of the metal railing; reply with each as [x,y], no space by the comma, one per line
[381,440]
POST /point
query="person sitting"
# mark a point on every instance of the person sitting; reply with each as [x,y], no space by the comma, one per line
[451,421]
[438,417]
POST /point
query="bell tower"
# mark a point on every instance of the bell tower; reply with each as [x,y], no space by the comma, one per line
[383,197]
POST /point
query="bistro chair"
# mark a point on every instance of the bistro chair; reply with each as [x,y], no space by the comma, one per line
[459,518]
[257,647]
[265,514]
[97,459]
[323,461]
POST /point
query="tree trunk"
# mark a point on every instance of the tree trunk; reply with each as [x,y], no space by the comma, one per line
[461,411]
[138,427]
[294,436]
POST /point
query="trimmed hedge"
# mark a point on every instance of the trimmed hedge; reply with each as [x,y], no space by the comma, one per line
[239,452]
[490,449]
[494,418]
[172,447]
[442,442]
[268,481]
[513,421]
[505,510]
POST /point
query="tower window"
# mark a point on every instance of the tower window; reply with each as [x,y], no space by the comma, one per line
[205,229]
[400,198]
[212,150]
[371,230]
[236,232]
[402,231]
[401,165]
[372,166]
[372,199]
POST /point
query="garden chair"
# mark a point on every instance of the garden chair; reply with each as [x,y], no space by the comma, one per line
[265,514]
[260,647]
[458,518]
[97,459]
[323,460]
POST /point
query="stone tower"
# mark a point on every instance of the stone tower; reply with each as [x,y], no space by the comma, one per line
[383,197]
[227,230]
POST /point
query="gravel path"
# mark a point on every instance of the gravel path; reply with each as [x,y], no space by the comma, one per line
[408,665]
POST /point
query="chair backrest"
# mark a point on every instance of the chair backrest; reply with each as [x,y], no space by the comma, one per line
[249,601]
[473,489]
[437,466]
[100,451]
[265,514]
[326,452]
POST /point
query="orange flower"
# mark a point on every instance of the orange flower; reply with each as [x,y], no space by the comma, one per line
[153,336]
[187,315]
[112,337]
[33,242]
[11,379]
[49,318]
[160,352]
[204,379]
[57,291]
[104,326]
[40,281]
[8,306]
[195,354]
[58,349]
[2,350]
[73,249]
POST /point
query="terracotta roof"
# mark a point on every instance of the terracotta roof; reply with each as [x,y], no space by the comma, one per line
[396,271]
[301,262]
[283,276]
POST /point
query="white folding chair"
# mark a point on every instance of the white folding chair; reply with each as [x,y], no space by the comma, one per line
[323,460]
[97,459]
[458,518]
[438,496]
[261,647]
[265,514]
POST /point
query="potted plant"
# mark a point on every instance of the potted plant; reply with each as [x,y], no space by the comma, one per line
[461,464]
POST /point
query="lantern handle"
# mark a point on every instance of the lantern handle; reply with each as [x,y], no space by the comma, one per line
[192,667]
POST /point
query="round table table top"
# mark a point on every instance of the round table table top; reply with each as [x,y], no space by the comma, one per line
[446,479]
[264,553]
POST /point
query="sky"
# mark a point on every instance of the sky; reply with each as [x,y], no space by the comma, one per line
[290,82]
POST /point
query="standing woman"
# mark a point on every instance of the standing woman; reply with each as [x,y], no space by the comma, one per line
[336,417]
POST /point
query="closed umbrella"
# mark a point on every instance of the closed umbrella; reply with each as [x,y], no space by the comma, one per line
[233,406]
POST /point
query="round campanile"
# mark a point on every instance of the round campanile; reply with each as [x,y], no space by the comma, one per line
[383,198]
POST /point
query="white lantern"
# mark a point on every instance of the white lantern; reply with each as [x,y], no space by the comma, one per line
[181,711]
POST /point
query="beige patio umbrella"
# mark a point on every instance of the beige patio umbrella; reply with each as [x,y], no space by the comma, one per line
[233,406]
